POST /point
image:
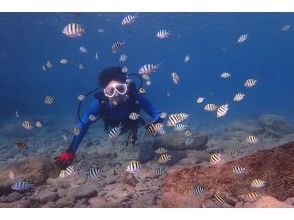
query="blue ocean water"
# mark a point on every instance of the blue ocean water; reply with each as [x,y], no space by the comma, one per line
[28,40]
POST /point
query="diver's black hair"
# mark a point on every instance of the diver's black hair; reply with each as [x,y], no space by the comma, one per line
[109,74]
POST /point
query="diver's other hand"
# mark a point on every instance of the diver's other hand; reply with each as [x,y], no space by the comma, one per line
[64,159]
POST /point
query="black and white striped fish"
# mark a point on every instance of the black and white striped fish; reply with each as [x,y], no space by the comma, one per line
[49,64]
[162,115]
[82,167]
[220,199]
[129,19]
[73,30]
[161,150]
[210,107]
[286,27]
[180,127]
[200,100]
[252,139]
[134,166]
[162,34]
[164,158]
[188,133]
[234,153]
[134,116]
[189,141]
[238,97]
[117,46]
[239,170]
[258,183]
[21,186]
[198,190]
[76,131]
[250,83]
[222,110]
[83,49]
[125,69]
[115,132]
[160,170]
[148,69]
[93,173]
[92,118]
[123,58]
[48,100]
[21,145]
[175,78]
[215,159]
[27,125]
[242,38]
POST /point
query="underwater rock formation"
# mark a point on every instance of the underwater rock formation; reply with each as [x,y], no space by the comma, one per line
[275,123]
[249,126]
[275,166]
[176,141]
[34,170]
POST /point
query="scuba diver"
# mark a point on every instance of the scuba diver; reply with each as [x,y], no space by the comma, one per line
[117,99]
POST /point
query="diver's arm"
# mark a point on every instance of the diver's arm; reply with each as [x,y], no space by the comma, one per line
[84,125]
[149,108]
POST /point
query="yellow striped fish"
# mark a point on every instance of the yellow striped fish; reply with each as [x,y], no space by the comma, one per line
[73,30]
[164,158]
[219,198]
[250,83]
[252,139]
[21,145]
[27,125]
[250,197]
[215,159]
[222,110]
[210,107]
[133,166]
[258,183]
[155,129]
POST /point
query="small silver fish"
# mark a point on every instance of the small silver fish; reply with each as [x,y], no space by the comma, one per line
[81,98]
[125,69]
[200,100]
[238,97]
[134,116]
[189,141]
[92,118]
[225,75]
[242,38]
[123,58]
[63,61]
[83,49]
[39,124]
[162,34]
[96,56]
[187,58]
[161,150]
[27,125]
[49,64]
[76,131]
[49,100]
[175,78]
[160,170]
[93,173]
[81,66]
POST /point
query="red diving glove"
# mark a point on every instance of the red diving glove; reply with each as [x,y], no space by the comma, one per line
[64,159]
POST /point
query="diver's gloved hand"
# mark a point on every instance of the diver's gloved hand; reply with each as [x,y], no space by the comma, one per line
[64,159]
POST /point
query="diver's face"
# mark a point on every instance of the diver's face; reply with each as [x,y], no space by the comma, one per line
[115,91]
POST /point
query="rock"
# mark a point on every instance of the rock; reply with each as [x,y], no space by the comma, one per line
[248,126]
[275,166]
[268,202]
[275,123]
[119,193]
[67,201]
[85,191]
[146,152]
[34,170]
[14,196]
[45,197]
[147,200]
[24,203]
[97,202]
[176,141]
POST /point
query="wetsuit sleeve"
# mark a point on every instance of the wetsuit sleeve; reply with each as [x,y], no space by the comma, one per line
[149,108]
[84,125]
